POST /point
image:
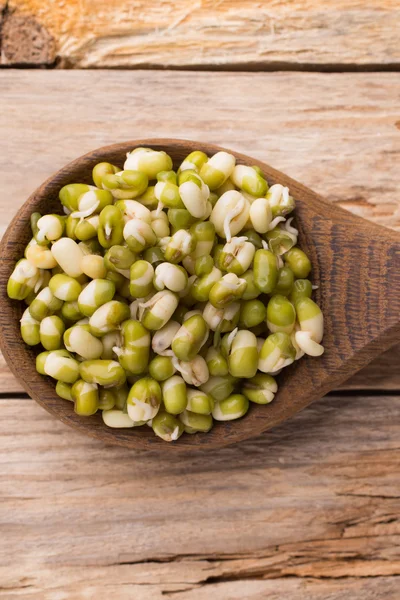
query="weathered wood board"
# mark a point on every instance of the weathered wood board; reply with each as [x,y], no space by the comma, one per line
[208,34]
[310,510]
[339,134]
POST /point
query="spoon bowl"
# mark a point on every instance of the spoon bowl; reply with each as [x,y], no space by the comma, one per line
[356,266]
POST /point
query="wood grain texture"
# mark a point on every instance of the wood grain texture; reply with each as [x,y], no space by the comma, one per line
[339,134]
[361,306]
[296,513]
[215,33]
[381,588]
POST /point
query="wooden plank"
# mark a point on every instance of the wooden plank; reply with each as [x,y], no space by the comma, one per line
[124,586]
[311,508]
[298,131]
[336,133]
[175,33]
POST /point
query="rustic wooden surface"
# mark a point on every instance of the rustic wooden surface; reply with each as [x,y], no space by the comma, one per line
[338,133]
[309,511]
[202,33]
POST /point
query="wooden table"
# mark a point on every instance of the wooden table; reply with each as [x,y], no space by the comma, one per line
[310,510]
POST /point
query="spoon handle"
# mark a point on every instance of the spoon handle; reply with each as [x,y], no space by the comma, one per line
[357,265]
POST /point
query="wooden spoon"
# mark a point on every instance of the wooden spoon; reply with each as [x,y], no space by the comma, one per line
[356,265]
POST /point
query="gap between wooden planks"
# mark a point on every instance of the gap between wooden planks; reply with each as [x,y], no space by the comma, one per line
[338,133]
[310,510]
[207,34]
